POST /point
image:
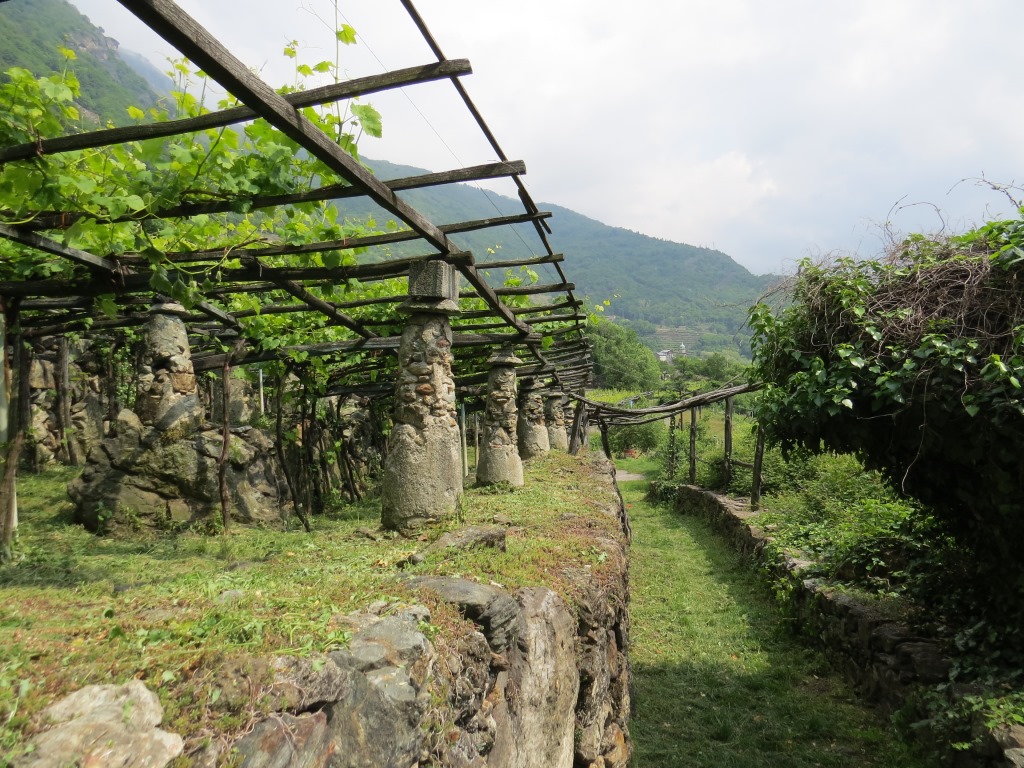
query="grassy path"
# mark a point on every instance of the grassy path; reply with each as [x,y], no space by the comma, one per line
[718,679]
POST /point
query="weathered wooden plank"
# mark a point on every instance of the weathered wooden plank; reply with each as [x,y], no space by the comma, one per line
[553,258]
[323,307]
[529,290]
[54,248]
[546,319]
[681,405]
[169,21]
[366,241]
[63,220]
[322,95]
[212,361]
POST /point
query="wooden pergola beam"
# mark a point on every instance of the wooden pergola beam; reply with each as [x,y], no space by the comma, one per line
[322,95]
[52,220]
[318,304]
[52,247]
[105,266]
[179,29]
[213,361]
[457,258]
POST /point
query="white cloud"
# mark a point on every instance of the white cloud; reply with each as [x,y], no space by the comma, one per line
[772,130]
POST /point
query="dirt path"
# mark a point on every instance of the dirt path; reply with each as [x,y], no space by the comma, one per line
[621,476]
[718,681]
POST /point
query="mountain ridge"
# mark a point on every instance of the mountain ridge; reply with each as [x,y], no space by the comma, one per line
[651,282]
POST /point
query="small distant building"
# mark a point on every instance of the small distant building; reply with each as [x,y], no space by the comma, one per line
[665,355]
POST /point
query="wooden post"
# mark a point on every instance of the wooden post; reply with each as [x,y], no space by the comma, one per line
[222,461]
[755,487]
[672,446]
[605,443]
[263,401]
[5,379]
[18,421]
[693,446]
[64,429]
[462,438]
[110,382]
[476,441]
[282,457]
[576,439]
[728,441]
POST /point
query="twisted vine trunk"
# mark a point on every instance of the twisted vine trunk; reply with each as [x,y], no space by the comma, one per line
[222,460]
[281,457]
[18,410]
[69,447]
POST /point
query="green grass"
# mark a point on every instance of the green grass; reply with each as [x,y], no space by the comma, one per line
[169,609]
[718,679]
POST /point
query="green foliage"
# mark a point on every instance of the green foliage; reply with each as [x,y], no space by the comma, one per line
[639,438]
[832,510]
[690,374]
[916,365]
[32,34]
[621,360]
[109,192]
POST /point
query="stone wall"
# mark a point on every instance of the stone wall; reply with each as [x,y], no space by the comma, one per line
[532,678]
[87,402]
[882,656]
[534,683]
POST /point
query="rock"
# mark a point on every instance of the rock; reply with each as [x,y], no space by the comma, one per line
[1009,736]
[532,726]
[369,730]
[178,481]
[41,375]
[493,609]
[302,684]
[1014,758]
[927,661]
[104,725]
[492,536]
[302,741]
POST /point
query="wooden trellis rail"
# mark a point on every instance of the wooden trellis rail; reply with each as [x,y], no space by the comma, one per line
[608,415]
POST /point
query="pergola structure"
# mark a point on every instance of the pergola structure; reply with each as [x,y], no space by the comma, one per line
[54,306]
[544,330]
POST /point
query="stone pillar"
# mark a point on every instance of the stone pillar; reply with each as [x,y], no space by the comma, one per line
[499,454]
[167,398]
[533,431]
[423,469]
[555,418]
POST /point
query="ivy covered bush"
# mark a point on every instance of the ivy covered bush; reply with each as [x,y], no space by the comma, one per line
[915,363]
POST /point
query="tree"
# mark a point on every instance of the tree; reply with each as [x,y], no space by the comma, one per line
[621,360]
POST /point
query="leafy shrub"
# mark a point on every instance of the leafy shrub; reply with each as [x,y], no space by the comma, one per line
[641,438]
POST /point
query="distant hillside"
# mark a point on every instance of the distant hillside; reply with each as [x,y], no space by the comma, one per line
[31,32]
[664,289]
[651,282]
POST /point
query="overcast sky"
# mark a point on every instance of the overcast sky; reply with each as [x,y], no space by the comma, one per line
[768,130]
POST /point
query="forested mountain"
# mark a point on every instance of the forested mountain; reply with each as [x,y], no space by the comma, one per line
[31,33]
[650,282]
